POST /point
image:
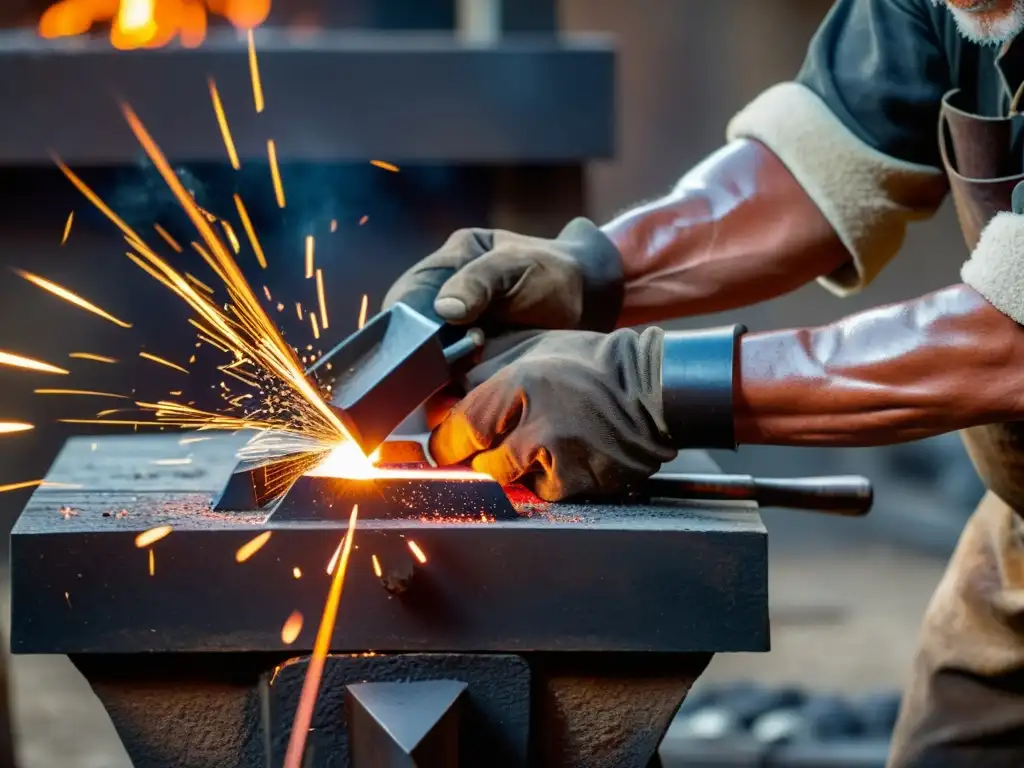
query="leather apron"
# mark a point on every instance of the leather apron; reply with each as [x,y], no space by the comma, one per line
[983,171]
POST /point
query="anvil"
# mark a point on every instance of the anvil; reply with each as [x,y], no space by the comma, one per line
[566,637]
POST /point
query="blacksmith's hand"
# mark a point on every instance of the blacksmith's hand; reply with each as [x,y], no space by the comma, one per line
[505,280]
[563,412]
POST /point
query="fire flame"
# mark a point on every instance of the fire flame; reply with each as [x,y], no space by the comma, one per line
[149,23]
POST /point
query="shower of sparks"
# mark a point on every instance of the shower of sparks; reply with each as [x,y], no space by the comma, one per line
[296,572]
[168,363]
[377,570]
[363,220]
[17,361]
[222,121]
[266,292]
[386,166]
[167,238]
[10,427]
[229,233]
[68,296]
[251,547]
[312,322]
[417,552]
[363,306]
[292,627]
[275,173]
[152,536]
[254,71]
[321,647]
[91,356]
[67,228]
[82,392]
[254,241]
[321,298]
[152,563]
[310,244]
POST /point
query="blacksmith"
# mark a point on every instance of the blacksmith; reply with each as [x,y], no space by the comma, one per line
[898,103]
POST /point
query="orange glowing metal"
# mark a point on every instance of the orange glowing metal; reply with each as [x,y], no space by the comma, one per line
[167,237]
[310,244]
[83,392]
[377,570]
[67,228]
[296,572]
[321,298]
[17,361]
[363,306]
[192,23]
[243,214]
[152,563]
[91,356]
[251,547]
[168,363]
[135,25]
[254,73]
[152,536]
[386,166]
[292,627]
[275,173]
[321,647]
[68,296]
[9,427]
[417,552]
[225,130]
[229,233]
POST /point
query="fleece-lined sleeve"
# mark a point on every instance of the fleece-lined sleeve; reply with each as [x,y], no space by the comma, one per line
[858,127]
[996,267]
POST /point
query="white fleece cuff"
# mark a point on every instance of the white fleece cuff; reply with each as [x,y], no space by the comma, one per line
[996,268]
[867,197]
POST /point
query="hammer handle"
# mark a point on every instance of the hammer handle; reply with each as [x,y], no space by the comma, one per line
[847,495]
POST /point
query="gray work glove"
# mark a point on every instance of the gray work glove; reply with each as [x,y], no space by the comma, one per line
[564,412]
[502,280]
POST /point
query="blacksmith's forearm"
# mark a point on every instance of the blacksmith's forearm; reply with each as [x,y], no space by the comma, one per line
[738,229]
[942,362]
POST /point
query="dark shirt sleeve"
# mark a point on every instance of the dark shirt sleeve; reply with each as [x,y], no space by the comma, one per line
[882,70]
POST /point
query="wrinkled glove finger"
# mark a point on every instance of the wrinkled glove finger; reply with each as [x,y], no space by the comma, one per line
[477,422]
[500,463]
[475,288]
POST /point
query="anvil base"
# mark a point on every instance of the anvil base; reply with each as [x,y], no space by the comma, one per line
[587,622]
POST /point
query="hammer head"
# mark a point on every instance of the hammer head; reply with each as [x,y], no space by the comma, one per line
[383,372]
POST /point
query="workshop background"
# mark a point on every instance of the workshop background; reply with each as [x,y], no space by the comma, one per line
[846,595]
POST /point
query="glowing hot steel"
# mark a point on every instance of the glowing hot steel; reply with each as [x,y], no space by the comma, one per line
[67,228]
[251,547]
[68,296]
[292,627]
[9,427]
[321,647]
[17,361]
[152,536]
[225,131]
[417,552]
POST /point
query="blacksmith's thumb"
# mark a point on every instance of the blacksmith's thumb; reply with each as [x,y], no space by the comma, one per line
[468,293]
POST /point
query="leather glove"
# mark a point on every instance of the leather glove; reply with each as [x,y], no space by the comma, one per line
[562,412]
[573,281]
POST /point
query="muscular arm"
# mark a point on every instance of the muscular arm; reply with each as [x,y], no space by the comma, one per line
[738,229]
[942,362]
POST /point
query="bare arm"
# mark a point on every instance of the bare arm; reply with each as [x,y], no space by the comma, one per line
[942,362]
[738,229]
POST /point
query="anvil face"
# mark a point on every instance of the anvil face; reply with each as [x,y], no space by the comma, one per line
[664,577]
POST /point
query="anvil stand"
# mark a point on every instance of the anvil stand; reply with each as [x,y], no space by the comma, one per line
[564,638]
